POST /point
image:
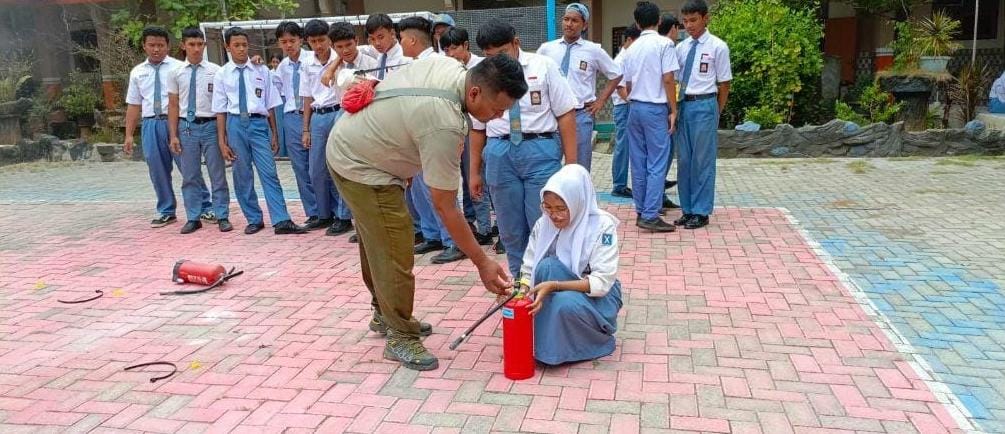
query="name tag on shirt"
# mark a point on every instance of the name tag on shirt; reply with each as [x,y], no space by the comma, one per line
[535,97]
[211,88]
[258,92]
[583,65]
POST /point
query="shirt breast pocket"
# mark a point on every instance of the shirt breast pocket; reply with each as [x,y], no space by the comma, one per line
[537,94]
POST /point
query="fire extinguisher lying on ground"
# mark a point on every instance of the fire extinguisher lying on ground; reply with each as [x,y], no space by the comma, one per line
[518,335]
[186,271]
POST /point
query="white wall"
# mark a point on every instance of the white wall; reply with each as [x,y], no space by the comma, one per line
[618,13]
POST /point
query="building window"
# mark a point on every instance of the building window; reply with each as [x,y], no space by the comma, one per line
[963,10]
[618,38]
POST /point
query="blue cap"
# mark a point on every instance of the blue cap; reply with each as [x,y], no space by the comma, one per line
[444,19]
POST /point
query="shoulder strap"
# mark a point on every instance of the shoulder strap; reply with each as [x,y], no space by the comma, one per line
[417,91]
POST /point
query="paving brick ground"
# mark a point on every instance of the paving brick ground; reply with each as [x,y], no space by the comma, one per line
[855,308]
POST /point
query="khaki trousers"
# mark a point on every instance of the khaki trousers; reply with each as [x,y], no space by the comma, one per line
[386,249]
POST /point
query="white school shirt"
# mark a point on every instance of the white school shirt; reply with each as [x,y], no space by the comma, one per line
[998,89]
[428,53]
[262,92]
[650,57]
[179,85]
[141,85]
[620,61]
[473,61]
[710,67]
[603,258]
[284,72]
[548,97]
[586,59]
[395,56]
[325,96]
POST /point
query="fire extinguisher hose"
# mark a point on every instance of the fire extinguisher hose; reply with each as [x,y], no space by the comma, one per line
[230,275]
[174,369]
[464,336]
[84,300]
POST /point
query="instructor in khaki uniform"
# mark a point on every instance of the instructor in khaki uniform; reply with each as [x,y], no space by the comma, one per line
[427,103]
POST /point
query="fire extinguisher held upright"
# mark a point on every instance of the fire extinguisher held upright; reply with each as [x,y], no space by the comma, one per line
[518,339]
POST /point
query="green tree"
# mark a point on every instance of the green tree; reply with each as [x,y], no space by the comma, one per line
[177,15]
[775,54]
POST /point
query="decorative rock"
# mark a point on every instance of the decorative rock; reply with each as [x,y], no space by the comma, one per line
[975,127]
[749,127]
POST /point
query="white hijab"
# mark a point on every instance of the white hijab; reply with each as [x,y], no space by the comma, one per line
[574,244]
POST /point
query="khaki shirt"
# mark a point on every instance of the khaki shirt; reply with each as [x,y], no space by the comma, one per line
[391,140]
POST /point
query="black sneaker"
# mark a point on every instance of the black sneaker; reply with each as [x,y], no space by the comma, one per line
[668,204]
[428,246]
[314,223]
[451,254]
[287,227]
[495,230]
[656,225]
[409,351]
[191,226]
[622,192]
[354,239]
[225,225]
[208,216]
[682,220]
[254,228]
[696,221]
[483,240]
[419,239]
[668,184]
[377,325]
[339,227]
[162,221]
[499,247]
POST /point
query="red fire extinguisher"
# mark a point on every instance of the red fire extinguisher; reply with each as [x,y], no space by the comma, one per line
[204,274]
[518,339]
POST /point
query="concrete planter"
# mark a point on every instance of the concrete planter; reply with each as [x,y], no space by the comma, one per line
[10,129]
[934,63]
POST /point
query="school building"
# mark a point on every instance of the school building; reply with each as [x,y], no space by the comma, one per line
[51,29]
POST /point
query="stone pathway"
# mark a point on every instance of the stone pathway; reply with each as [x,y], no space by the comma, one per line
[820,299]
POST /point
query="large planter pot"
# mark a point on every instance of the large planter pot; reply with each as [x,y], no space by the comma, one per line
[883,60]
[10,129]
[934,63]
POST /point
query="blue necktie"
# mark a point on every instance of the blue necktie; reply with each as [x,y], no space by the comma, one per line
[383,63]
[515,131]
[242,97]
[296,85]
[158,109]
[688,64]
[565,60]
[190,116]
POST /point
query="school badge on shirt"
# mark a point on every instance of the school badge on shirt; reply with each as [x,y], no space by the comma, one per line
[583,65]
[258,92]
[607,239]
[535,97]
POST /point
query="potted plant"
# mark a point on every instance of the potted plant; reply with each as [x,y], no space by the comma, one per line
[936,40]
[79,101]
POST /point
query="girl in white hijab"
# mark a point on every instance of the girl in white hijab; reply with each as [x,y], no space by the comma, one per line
[571,267]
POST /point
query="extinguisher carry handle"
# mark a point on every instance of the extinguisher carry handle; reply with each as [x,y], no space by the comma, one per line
[464,336]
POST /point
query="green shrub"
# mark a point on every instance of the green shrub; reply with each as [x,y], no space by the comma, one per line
[775,54]
[874,105]
[80,98]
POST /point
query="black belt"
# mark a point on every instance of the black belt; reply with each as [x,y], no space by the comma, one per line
[250,115]
[532,136]
[200,121]
[700,97]
[326,110]
[159,118]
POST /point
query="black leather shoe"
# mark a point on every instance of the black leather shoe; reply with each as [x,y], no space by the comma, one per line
[451,254]
[696,221]
[682,220]
[495,231]
[287,227]
[191,226]
[419,239]
[254,228]
[354,239]
[225,225]
[499,248]
[622,192]
[428,246]
[669,184]
[314,223]
[656,225]
[668,204]
[483,240]
[339,227]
